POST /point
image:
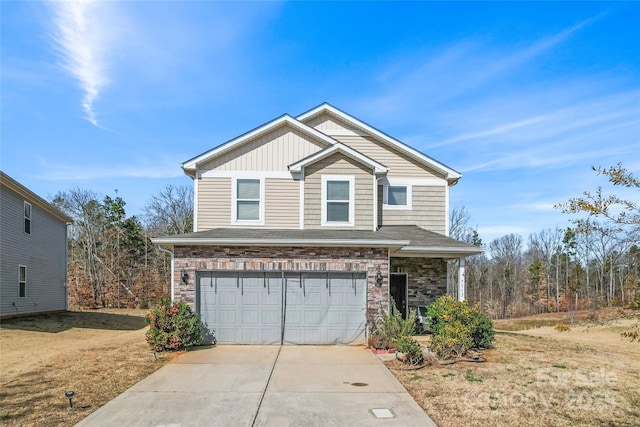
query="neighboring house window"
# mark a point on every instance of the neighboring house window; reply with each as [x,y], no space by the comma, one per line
[337,200]
[22,281]
[249,201]
[27,217]
[396,196]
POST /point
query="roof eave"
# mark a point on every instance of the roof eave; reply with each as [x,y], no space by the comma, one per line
[172,242]
[437,251]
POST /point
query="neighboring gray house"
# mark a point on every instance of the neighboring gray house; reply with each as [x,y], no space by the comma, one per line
[33,252]
[305,227]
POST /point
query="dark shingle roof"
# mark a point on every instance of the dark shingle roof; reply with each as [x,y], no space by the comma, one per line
[406,239]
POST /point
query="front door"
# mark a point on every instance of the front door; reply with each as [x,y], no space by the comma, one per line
[398,291]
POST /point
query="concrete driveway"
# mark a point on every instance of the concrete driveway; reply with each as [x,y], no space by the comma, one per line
[266,386]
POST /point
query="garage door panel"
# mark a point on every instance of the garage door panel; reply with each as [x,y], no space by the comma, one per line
[319,308]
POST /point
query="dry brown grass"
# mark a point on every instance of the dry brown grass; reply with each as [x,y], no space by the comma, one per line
[97,354]
[588,376]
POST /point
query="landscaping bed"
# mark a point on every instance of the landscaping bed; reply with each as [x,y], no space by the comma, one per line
[586,376]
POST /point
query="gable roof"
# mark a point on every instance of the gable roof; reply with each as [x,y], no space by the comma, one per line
[339,147]
[450,174]
[190,165]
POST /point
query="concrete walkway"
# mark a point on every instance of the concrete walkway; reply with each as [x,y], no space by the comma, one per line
[266,386]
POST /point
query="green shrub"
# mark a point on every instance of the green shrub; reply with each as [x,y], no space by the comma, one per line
[457,327]
[391,326]
[173,326]
[411,348]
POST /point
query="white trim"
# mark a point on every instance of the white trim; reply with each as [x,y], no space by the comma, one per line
[375,203]
[195,204]
[344,149]
[417,182]
[301,202]
[351,179]
[280,242]
[461,279]
[343,132]
[446,212]
[247,174]
[190,166]
[20,266]
[451,175]
[385,195]
[234,201]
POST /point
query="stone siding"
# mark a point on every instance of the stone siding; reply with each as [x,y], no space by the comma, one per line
[427,278]
[194,258]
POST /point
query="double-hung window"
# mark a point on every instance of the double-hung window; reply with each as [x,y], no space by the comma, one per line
[22,281]
[337,200]
[397,196]
[27,217]
[248,204]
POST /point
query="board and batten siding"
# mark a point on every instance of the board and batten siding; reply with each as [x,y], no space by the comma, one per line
[429,209]
[282,199]
[43,252]
[338,164]
[282,209]
[274,151]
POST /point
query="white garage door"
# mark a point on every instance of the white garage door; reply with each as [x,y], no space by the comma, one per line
[283,307]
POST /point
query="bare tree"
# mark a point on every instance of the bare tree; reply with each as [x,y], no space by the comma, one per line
[170,211]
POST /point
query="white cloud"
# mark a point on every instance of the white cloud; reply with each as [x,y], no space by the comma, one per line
[83,41]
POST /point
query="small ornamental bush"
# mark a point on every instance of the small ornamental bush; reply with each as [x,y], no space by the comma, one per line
[391,326]
[173,326]
[411,348]
[458,327]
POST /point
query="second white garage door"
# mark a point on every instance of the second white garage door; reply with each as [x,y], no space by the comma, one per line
[283,307]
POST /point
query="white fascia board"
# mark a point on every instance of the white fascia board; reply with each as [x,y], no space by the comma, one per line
[190,166]
[437,252]
[451,175]
[344,149]
[280,242]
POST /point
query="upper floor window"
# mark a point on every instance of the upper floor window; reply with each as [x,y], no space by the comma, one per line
[338,200]
[27,217]
[22,281]
[397,196]
[248,201]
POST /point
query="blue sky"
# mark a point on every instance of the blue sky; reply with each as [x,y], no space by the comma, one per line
[521,98]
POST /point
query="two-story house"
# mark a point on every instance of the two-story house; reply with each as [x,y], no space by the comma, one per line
[33,252]
[307,226]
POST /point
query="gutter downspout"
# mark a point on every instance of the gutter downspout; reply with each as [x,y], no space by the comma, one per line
[172,271]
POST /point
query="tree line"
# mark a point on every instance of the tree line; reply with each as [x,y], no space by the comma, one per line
[592,263]
[111,259]
[113,263]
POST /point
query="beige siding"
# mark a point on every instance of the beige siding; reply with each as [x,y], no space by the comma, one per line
[271,152]
[281,204]
[328,122]
[338,164]
[282,209]
[400,165]
[214,203]
[428,209]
